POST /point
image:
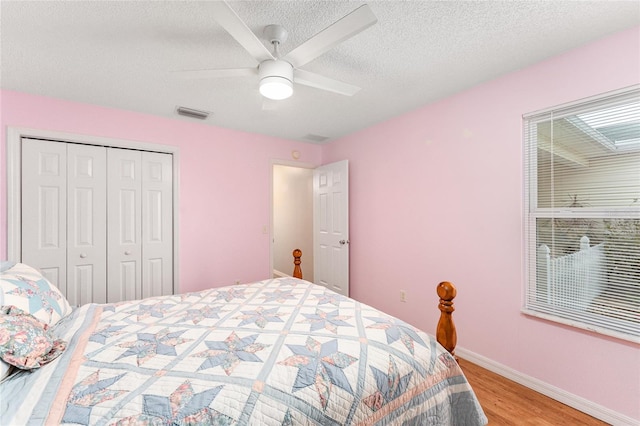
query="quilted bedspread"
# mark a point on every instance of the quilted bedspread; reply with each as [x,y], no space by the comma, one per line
[276,352]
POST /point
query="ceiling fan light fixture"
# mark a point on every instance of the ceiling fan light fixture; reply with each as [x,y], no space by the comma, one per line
[276,79]
[276,88]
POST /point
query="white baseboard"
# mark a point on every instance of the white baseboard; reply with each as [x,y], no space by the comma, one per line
[577,402]
[278,274]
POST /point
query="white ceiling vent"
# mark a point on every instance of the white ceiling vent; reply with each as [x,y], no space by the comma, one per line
[316,138]
[192,113]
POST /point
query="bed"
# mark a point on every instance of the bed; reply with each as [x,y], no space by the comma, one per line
[276,352]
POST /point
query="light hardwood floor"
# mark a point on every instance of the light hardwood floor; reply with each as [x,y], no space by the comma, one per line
[508,403]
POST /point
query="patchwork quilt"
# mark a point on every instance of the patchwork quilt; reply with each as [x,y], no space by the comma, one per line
[275,352]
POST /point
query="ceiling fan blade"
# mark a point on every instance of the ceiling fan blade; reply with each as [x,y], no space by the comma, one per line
[355,22]
[231,22]
[216,73]
[321,82]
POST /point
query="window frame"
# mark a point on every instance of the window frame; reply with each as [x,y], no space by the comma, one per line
[531,211]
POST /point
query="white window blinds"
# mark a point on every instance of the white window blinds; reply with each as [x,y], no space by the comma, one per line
[582,208]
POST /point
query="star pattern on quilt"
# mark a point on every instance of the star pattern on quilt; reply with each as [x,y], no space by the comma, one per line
[279,296]
[288,420]
[448,359]
[39,294]
[229,294]
[390,385]
[182,407]
[186,296]
[260,317]
[156,310]
[148,345]
[397,329]
[104,333]
[229,353]
[88,393]
[319,364]
[327,320]
[197,315]
[333,299]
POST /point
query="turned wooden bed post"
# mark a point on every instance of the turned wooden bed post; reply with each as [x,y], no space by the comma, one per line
[297,271]
[446,330]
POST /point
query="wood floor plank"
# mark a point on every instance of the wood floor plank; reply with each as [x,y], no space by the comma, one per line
[508,403]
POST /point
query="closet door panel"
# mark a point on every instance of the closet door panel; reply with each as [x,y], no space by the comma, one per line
[124,212]
[86,224]
[44,209]
[157,224]
[126,284]
[98,221]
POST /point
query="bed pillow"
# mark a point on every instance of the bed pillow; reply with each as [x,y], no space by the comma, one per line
[25,342]
[5,370]
[24,287]
[6,265]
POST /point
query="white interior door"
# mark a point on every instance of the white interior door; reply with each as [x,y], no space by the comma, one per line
[124,245]
[44,209]
[157,224]
[331,226]
[86,224]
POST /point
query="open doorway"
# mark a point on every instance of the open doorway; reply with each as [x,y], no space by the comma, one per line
[292,214]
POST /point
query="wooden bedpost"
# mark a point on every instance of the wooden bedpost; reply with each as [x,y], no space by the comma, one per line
[297,271]
[446,330]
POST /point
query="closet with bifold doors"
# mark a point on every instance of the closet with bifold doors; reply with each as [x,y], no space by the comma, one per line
[98,221]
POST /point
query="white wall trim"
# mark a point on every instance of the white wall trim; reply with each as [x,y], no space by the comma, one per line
[571,104]
[14,195]
[279,274]
[598,411]
[14,161]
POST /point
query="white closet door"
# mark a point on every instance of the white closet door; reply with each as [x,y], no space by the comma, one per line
[86,224]
[157,224]
[44,204]
[124,245]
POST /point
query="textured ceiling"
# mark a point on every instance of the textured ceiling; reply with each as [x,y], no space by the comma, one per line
[123,54]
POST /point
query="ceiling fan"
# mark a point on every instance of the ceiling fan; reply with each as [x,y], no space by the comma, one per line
[277,75]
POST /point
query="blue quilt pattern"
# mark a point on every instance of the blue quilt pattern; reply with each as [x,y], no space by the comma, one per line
[276,352]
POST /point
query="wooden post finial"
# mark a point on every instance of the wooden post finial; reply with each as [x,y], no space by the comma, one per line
[297,271]
[447,291]
[446,330]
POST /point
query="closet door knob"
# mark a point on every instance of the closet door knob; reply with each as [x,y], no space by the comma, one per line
[83,255]
[127,252]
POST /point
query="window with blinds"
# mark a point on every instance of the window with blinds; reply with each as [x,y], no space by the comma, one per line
[582,214]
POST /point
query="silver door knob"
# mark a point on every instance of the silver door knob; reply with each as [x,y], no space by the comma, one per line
[127,253]
[343,242]
[83,255]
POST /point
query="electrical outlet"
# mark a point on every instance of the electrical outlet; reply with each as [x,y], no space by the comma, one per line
[403,296]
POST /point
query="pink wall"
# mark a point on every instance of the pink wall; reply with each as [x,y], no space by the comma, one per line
[437,194]
[224,181]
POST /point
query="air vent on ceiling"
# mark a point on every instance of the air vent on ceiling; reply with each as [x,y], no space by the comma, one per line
[316,138]
[192,113]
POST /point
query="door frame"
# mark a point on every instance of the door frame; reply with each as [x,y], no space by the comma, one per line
[14,187]
[288,163]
